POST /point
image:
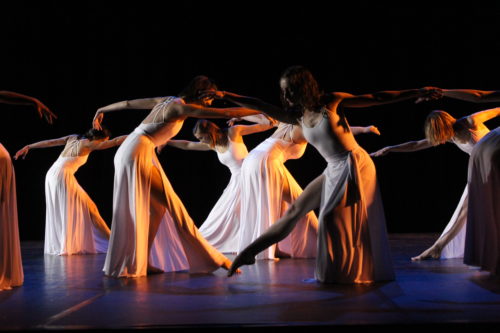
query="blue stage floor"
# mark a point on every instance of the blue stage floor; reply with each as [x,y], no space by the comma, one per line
[72,293]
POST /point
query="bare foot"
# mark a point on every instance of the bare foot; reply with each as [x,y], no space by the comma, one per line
[154,270]
[431,253]
[280,254]
[240,260]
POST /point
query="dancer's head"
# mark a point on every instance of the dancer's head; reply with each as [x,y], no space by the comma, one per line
[299,89]
[193,93]
[439,127]
[96,134]
[209,133]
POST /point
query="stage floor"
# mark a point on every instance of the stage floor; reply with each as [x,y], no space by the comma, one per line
[72,293]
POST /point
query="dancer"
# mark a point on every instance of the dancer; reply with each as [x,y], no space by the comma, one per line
[11,267]
[73,224]
[482,240]
[221,227]
[441,127]
[145,207]
[352,238]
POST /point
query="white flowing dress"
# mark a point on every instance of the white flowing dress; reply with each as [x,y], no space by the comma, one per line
[267,190]
[482,241]
[222,226]
[178,245]
[353,245]
[11,266]
[68,224]
[455,247]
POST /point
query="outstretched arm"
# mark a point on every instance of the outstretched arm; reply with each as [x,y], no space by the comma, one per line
[472,95]
[237,130]
[257,104]
[198,111]
[189,145]
[367,129]
[10,97]
[386,97]
[483,116]
[109,143]
[406,147]
[42,144]
[136,104]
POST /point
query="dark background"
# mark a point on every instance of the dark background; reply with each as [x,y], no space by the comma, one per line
[76,56]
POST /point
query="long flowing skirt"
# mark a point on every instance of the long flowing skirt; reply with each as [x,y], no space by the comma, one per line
[455,247]
[267,190]
[353,245]
[11,267]
[68,223]
[222,226]
[178,244]
[482,241]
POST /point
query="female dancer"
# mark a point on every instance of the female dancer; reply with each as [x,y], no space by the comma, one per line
[222,226]
[482,241]
[441,127]
[143,196]
[352,239]
[73,224]
[11,267]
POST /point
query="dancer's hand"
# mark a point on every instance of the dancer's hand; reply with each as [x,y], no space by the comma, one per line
[430,93]
[241,259]
[44,111]
[232,121]
[213,94]
[97,121]
[373,129]
[22,152]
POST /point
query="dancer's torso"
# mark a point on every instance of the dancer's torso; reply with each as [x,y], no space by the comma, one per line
[472,137]
[234,155]
[331,141]
[159,130]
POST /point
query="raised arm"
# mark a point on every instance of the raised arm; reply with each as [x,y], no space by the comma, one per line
[238,130]
[386,97]
[363,130]
[257,104]
[136,104]
[406,147]
[472,95]
[42,144]
[198,111]
[108,143]
[483,116]
[10,97]
[189,145]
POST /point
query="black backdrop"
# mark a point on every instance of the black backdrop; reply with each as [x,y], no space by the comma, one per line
[78,56]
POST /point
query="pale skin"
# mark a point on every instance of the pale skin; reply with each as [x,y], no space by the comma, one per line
[177,111]
[311,196]
[14,98]
[86,147]
[474,121]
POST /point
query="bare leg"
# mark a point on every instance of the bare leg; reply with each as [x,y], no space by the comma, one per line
[157,211]
[98,221]
[434,252]
[307,201]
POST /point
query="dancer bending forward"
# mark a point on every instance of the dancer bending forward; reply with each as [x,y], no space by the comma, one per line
[73,224]
[151,230]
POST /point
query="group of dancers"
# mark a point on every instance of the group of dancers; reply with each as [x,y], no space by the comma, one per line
[263,213]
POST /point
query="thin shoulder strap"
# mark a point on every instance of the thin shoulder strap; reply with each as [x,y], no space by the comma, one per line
[160,109]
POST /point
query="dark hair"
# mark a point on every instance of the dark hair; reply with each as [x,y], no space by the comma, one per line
[305,92]
[218,136]
[95,134]
[194,89]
